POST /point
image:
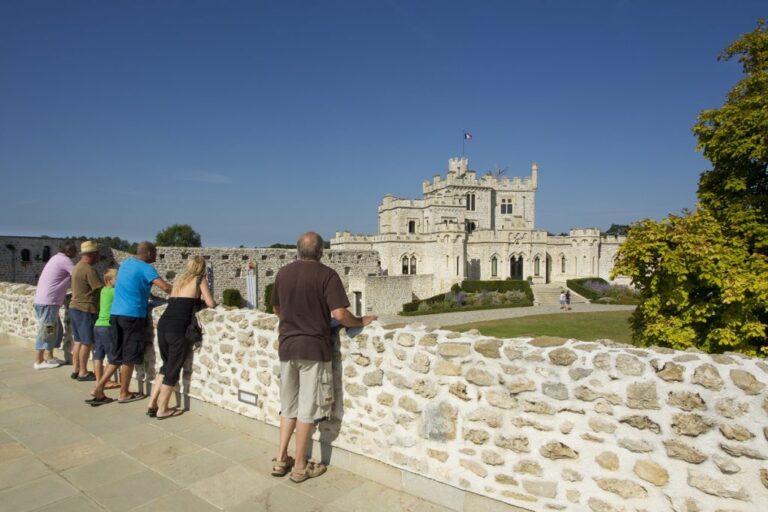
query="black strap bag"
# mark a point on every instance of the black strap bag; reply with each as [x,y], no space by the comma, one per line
[194,332]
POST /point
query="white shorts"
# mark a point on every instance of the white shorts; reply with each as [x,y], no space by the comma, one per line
[306,390]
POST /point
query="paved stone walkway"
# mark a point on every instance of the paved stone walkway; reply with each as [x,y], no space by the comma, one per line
[464,317]
[58,454]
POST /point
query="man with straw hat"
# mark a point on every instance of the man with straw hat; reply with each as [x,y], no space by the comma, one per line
[84,309]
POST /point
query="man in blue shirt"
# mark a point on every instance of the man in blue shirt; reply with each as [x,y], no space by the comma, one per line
[128,318]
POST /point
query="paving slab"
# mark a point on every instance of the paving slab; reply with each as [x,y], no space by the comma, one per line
[59,454]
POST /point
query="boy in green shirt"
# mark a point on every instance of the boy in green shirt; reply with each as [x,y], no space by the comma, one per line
[102,331]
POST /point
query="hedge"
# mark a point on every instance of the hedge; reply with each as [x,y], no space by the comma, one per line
[268,298]
[464,308]
[474,287]
[577,285]
[498,286]
[232,297]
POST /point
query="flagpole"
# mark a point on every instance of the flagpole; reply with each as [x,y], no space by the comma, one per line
[463,139]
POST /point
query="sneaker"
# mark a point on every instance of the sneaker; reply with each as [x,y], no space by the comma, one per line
[46,365]
[56,360]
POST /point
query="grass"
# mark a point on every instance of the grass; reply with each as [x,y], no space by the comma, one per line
[613,325]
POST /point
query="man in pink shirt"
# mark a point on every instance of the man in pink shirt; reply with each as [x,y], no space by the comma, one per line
[49,297]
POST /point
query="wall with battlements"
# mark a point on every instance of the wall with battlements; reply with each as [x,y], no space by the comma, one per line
[541,423]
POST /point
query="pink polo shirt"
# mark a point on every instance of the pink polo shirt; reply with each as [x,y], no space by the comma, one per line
[54,281]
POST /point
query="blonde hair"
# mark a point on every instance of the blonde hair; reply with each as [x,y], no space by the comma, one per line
[110,276]
[195,268]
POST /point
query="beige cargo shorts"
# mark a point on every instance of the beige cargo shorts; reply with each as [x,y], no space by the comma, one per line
[306,390]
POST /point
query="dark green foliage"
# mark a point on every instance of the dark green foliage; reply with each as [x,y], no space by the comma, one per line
[232,297]
[498,286]
[282,246]
[456,288]
[268,298]
[178,235]
[618,229]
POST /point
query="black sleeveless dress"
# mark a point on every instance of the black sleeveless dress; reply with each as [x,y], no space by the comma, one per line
[171,336]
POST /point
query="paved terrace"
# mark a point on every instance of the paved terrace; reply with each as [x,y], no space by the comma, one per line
[59,454]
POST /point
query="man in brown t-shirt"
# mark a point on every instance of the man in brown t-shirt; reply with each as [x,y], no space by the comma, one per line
[84,309]
[305,296]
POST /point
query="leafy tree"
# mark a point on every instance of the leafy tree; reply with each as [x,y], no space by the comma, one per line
[703,276]
[178,235]
[618,229]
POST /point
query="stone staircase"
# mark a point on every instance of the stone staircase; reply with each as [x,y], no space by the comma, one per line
[549,294]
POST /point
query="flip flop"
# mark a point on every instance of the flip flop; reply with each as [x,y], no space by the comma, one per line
[73,375]
[133,397]
[100,401]
[88,377]
[151,412]
[175,413]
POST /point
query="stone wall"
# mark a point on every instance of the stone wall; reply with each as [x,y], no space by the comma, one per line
[539,423]
[230,266]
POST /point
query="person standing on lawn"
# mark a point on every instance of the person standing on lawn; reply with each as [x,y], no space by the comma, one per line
[83,309]
[135,279]
[305,296]
[49,297]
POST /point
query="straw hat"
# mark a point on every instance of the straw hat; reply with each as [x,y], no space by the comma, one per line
[88,247]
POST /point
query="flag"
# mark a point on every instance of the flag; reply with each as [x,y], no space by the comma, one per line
[467,136]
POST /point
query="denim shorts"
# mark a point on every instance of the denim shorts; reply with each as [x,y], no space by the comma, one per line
[49,328]
[82,326]
[102,346]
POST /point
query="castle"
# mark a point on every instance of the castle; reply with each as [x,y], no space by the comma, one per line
[470,227]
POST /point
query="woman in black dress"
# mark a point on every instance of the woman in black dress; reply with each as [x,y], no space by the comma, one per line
[185,297]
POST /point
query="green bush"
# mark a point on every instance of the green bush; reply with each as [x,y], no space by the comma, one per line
[232,297]
[268,298]
[498,286]
[456,288]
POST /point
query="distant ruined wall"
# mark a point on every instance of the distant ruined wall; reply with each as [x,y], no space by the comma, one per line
[539,423]
[230,266]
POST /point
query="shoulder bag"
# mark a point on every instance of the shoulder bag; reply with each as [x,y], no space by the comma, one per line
[194,332]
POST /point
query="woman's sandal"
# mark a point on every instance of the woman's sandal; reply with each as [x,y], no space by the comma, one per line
[311,470]
[175,413]
[151,412]
[282,467]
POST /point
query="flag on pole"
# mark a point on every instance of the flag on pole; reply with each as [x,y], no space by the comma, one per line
[467,136]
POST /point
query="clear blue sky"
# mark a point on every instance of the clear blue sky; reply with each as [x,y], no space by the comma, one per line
[255,121]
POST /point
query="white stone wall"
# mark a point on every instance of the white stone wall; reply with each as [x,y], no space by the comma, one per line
[539,423]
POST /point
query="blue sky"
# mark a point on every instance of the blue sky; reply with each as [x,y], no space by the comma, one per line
[255,121]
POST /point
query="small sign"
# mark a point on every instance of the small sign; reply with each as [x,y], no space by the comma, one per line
[247,397]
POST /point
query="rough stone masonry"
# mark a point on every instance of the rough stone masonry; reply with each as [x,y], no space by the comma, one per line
[540,423]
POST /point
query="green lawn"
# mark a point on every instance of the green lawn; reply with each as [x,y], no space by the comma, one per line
[613,325]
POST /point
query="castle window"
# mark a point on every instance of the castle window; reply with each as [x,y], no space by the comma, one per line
[471,202]
[411,226]
[413,265]
[405,265]
[506,207]
[46,253]
[470,226]
[562,264]
[536,266]
[25,255]
[494,267]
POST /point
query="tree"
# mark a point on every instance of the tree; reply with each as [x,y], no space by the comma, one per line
[618,229]
[703,276]
[178,235]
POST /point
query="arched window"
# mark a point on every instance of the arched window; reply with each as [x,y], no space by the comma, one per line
[46,253]
[494,267]
[469,202]
[25,256]
[405,265]
[562,264]
[411,226]
[536,266]
[413,265]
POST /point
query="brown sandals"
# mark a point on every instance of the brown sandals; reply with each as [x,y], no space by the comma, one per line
[311,470]
[282,467]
